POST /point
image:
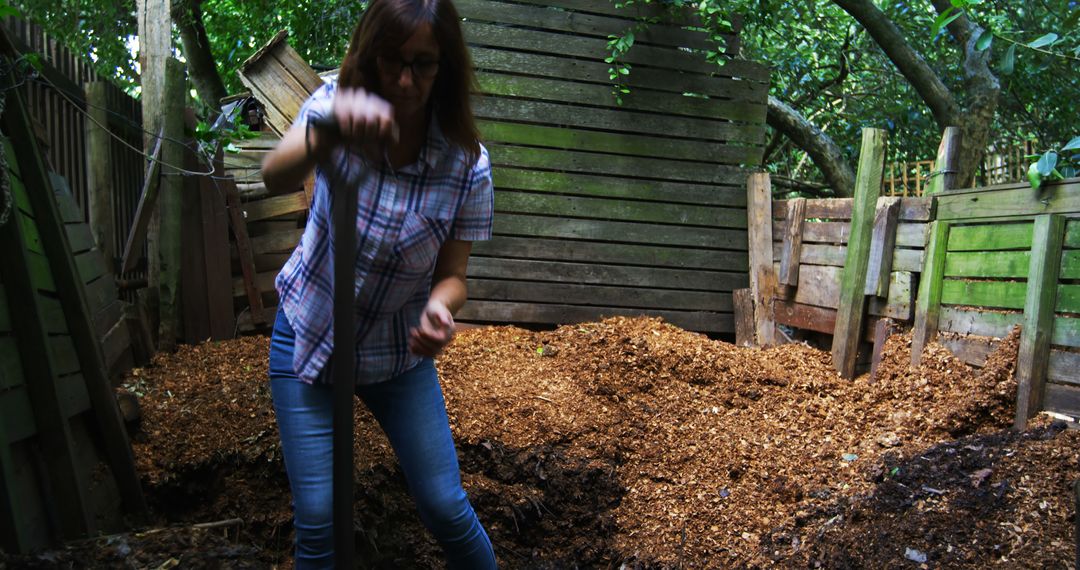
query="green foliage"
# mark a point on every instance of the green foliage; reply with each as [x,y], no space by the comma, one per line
[1055,164]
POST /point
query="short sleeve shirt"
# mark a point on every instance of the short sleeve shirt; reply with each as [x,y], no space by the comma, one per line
[403,218]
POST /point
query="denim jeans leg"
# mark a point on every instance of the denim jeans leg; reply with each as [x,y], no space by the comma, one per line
[305,421]
[411,410]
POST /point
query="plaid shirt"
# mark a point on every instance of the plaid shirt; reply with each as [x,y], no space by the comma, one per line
[403,218]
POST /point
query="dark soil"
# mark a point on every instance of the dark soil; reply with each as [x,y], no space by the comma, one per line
[627,443]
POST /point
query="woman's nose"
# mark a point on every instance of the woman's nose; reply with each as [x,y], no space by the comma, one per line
[405,79]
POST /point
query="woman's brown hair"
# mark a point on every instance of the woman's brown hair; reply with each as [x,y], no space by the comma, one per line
[390,23]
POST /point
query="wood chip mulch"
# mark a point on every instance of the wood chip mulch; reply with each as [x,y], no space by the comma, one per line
[632,443]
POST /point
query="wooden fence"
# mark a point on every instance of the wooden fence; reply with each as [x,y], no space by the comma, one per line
[601,209]
[964,267]
[60,428]
[64,103]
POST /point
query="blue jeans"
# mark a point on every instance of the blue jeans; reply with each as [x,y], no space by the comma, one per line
[411,411]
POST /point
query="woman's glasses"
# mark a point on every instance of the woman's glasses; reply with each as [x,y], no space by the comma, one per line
[423,68]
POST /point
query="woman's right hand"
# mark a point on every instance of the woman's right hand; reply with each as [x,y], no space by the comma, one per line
[363,121]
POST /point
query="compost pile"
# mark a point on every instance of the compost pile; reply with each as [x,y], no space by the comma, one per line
[632,443]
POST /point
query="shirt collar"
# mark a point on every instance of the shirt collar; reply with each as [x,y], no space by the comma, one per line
[435,146]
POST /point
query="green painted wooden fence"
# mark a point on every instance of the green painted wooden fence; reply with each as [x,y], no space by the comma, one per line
[60,427]
[605,209]
[1010,255]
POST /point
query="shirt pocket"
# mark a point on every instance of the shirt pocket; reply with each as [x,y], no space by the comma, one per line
[419,241]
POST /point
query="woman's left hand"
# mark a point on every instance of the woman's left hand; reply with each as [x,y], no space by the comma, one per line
[435,331]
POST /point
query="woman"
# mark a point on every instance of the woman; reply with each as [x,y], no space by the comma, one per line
[408,138]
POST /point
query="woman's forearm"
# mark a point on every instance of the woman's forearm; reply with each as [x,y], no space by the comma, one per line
[450,291]
[285,168]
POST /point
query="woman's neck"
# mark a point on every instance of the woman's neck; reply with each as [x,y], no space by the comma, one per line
[411,138]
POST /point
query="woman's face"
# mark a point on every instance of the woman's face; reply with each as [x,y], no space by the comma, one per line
[407,74]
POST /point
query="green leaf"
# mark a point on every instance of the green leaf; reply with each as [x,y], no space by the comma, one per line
[944,19]
[1075,143]
[1047,163]
[1044,41]
[984,41]
[1008,63]
[1034,178]
[6,11]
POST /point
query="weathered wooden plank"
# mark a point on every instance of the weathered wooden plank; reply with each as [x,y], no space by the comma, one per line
[147,201]
[663,15]
[820,286]
[505,312]
[944,177]
[991,237]
[13,508]
[988,322]
[1068,298]
[598,295]
[849,318]
[791,250]
[929,298]
[553,65]
[274,206]
[971,350]
[911,209]
[743,302]
[610,275]
[276,242]
[911,235]
[601,96]
[1048,233]
[1072,234]
[624,232]
[811,318]
[997,294]
[243,245]
[28,227]
[611,253]
[1070,264]
[91,265]
[883,329]
[1063,366]
[115,343]
[5,316]
[585,25]
[618,120]
[882,244]
[79,236]
[819,254]
[1005,264]
[1053,198]
[99,173]
[617,143]
[622,210]
[1066,331]
[11,370]
[763,279]
[602,186]
[584,162]
[1063,399]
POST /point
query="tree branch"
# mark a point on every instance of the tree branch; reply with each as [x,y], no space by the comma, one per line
[825,153]
[912,65]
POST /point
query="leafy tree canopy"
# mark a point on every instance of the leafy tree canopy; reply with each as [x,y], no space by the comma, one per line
[826,65]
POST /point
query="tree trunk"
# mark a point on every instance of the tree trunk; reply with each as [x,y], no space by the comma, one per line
[201,66]
[982,87]
[983,90]
[825,153]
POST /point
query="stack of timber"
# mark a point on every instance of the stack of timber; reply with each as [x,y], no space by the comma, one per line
[60,426]
[1004,256]
[607,209]
[809,248]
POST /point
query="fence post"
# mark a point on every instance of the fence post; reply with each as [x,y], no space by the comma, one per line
[792,247]
[849,314]
[944,175]
[762,274]
[99,170]
[928,302]
[1043,271]
[170,204]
